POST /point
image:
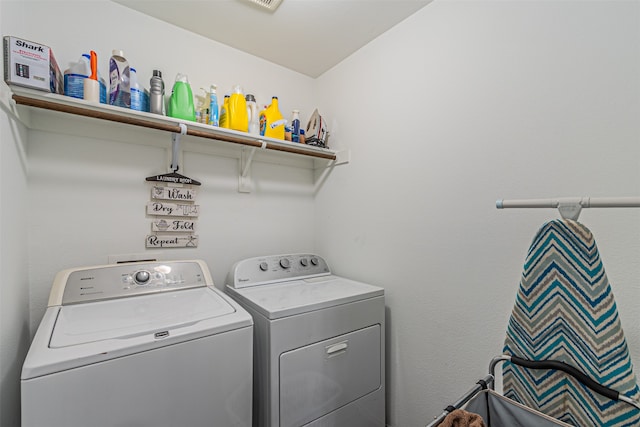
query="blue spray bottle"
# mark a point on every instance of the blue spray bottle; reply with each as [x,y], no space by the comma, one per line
[213,107]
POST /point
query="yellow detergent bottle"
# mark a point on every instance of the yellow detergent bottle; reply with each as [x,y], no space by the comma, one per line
[237,111]
[224,113]
[271,121]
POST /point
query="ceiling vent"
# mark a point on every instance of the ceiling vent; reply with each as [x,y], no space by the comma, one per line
[267,4]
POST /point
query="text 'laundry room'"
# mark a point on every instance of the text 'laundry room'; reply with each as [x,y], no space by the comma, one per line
[289,213]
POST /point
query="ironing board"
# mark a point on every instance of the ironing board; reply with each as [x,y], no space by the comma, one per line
[565,311]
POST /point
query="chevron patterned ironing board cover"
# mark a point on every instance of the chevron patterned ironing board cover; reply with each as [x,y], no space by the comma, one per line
[565,311]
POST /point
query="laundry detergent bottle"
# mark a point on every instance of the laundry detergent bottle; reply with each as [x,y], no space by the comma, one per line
[119,84]
[181,101]
[271,121]
[224,113]
[75,75]
[238,118]
[139,98]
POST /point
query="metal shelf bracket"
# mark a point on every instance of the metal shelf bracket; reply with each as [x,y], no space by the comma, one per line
[6,101]
[246,157]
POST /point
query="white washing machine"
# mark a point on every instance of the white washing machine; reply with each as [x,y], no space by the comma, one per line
[140,344]
[319,343]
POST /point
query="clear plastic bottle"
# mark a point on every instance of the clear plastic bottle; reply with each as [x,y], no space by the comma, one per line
[213,107]
[103,89]
[74,77]
[202,112]
[119,84]
[156,95]
[138,96]
[146,100]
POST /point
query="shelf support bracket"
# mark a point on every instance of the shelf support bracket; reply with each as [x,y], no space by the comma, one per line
[175,146]
[246,157]
[7,103]
[321,174]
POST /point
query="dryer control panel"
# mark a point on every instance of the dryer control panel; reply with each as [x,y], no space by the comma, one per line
[276,268]
[125,280]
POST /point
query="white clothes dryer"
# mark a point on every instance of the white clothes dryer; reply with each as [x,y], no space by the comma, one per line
[319,343]
[140,344]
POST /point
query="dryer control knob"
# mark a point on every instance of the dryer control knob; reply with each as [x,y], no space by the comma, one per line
[304,262]
[142,277]
[264,266]
[284,263]
[314,261]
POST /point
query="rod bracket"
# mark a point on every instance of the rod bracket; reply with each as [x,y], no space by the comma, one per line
[175,146]
[570,210]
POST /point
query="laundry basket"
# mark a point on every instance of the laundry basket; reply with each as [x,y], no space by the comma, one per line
[499,411]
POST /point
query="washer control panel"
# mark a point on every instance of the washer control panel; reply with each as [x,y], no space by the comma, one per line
[123,280]
[276,268]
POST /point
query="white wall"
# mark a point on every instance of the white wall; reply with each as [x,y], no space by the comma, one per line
[86,179]
[464,103]
[461,104]
[80,187]
[14,291]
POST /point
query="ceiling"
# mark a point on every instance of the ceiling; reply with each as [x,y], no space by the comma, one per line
[308,36]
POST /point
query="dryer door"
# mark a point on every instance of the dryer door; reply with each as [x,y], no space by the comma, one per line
[322,377]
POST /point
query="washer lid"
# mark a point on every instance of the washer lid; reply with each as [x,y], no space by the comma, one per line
[284,299]
[130,317]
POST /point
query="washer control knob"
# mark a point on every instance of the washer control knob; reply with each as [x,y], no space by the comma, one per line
[304,262]
[142,277]
[314,261]
[264,266]
[284,263]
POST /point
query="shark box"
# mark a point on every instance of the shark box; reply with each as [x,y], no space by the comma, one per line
[31,65]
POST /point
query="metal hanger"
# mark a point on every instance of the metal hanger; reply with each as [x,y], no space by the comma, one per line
[174,177]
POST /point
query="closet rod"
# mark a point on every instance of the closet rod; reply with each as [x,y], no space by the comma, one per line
[584,202]
[570,207]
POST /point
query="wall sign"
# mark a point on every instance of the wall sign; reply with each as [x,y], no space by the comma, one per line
[173,225]
[173,213]
[173,193]
[172,209]
[157,241]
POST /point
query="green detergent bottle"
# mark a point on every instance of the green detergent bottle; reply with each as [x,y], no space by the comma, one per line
[181,101]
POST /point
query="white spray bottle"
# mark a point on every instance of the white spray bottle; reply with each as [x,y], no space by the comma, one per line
[252,114]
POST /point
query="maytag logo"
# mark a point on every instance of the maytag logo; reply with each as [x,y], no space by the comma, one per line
[21,43]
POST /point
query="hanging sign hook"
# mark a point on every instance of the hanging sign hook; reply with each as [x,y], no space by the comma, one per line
[175,177]
[175,146]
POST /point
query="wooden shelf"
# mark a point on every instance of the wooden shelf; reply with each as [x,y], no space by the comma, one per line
[79,107]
